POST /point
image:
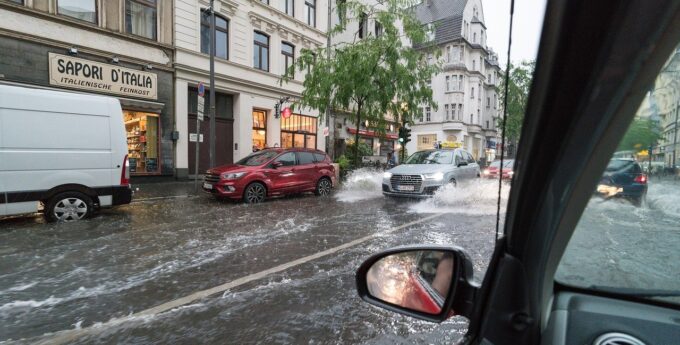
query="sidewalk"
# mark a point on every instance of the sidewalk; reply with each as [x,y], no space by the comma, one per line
[165,189]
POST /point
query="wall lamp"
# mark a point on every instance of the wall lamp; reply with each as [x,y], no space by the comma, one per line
[73,51]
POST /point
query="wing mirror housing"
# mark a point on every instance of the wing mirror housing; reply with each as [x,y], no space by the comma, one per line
[431,283]
[276,165]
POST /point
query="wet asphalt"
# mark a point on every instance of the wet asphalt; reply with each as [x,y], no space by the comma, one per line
[172,242]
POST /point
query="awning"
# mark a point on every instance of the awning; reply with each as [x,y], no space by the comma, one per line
[139,105]
[367,133]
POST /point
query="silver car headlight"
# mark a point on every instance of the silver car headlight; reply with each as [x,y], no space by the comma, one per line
[232,176]
[438,176]
[387,175]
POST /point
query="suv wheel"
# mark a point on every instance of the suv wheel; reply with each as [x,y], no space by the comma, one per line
[255,193]
[68,207]
[323,187]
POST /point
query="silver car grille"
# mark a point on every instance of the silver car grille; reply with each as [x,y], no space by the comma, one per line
[406,180]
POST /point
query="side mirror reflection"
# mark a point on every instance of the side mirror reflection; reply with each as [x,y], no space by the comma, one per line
[416,280]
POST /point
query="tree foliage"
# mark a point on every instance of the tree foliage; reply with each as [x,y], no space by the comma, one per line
[518,94]
[372,77]
[641,134]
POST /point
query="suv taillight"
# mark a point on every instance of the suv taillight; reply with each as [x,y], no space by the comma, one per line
[125,174]
[642,178]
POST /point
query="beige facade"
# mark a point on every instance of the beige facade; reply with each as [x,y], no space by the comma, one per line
[240,76]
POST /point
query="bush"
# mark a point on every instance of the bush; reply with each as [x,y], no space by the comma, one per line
[364,150]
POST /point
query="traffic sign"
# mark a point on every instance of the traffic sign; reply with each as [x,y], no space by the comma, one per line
[200,106]
[201,89]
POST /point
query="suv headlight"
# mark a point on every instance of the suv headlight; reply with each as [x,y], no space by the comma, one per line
[438,176]
[387,175]
[232,176]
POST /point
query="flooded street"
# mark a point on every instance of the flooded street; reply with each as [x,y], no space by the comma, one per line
[85,277]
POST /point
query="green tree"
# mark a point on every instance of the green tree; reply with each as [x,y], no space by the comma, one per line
[518,94]
[641,134]
[374,76]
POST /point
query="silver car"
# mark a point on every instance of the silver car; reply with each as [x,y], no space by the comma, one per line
[426,171]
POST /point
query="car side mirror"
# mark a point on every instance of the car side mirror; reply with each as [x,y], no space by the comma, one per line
[277,164]
[426,282]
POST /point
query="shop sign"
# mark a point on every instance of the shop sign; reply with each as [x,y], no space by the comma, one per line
[73,72]
[192,137]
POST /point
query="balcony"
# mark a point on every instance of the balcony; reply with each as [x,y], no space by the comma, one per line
[474,129]
[489,132]
[452,125]
[454,65]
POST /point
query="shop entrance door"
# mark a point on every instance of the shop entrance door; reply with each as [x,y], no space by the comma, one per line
[224,144]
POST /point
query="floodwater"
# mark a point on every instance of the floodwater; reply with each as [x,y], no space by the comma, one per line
[80,276]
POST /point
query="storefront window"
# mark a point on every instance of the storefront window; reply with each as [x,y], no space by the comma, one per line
[140,18]
[142,138]
[299,131]
[259,129]
[80,9]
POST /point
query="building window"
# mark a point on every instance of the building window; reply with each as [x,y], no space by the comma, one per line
[479,92]
[446,110]
[460,112]
[363,25]
[471,118]
[428,114]
[488,102]
[20,2]
[474,65]
[448,54]
[265,1]
[259,130]
[140,18]
[474,37]
[378,29]
[289,7]
[80,9]
[494,101]
[288,53]
[448,83]
[479,118]
[221,35]
[460,83]
[310,12]
[298,131]
[487,124]
[472,93]
[261,51]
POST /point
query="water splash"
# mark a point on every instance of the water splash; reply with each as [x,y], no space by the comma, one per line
[361,184]
[477,197]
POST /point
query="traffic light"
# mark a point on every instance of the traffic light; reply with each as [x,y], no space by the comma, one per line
[407,135]
[401,134]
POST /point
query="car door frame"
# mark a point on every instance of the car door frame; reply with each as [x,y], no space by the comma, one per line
[307,172]
[591,99]
[288,170]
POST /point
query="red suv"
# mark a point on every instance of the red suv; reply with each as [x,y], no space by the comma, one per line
[272,172]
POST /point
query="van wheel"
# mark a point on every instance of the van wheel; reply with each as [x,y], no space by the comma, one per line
[255,193]
[68,207]
[323,187]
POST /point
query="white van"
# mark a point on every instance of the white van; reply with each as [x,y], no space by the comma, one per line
[62,152]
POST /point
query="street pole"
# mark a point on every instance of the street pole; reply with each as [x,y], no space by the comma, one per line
[212,84]
[675,135]
[329,151]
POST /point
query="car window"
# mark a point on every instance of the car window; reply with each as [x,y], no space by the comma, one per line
[459,157]
[628,236]
[287,159]
[431,157]
[319,157]
[469,158]
[305,158]
[257,158]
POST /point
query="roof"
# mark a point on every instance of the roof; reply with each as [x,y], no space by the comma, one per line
[446,15]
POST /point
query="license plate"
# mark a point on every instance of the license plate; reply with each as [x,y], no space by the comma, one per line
[207,186]
[406,188]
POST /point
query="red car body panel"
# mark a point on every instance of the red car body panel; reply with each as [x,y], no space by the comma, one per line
[492,172]
[279,180]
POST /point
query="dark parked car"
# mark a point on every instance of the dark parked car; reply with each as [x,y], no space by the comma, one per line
[272,172]
[623,178]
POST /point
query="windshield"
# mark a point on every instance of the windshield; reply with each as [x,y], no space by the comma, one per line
[258,158]
[431,157]
[628,237]
[506,163]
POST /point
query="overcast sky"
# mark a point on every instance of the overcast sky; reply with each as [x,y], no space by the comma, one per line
[527,24]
